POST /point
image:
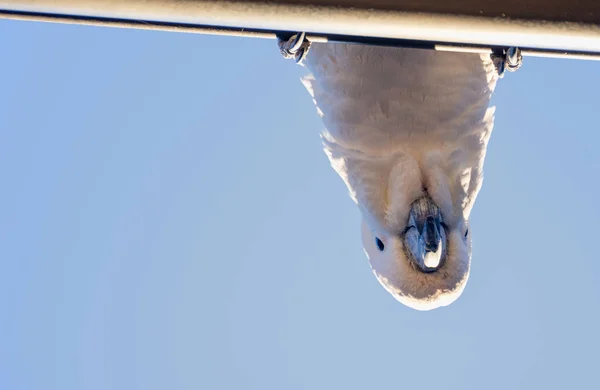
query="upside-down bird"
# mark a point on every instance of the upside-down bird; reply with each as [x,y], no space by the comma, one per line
[407,130]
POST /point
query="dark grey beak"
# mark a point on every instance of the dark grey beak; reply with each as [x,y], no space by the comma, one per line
[425,237]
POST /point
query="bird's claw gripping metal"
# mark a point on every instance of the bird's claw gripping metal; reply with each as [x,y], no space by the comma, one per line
[295,47]
[510,60]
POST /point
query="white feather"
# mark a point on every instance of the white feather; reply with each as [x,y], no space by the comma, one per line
[399,121]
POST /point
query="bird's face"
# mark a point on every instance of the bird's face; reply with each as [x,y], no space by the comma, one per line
[425,264]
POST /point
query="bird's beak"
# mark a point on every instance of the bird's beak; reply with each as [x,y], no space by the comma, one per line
[425,237]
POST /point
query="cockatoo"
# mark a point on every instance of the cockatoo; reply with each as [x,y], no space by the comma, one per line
[407,131]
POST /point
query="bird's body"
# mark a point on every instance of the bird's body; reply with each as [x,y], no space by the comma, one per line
[405,126]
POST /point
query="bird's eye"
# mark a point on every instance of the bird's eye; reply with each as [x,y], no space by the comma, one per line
[379,243]
[466,233]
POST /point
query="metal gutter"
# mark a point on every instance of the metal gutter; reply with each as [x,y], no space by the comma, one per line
[544,28]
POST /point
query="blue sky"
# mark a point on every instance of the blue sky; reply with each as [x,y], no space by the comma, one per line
[168,220]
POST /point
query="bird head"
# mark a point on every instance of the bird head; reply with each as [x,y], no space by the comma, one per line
[425,264]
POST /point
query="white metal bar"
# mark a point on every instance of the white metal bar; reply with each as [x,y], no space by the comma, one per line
[577,33]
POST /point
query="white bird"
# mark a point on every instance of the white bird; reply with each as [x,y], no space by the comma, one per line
[407,131]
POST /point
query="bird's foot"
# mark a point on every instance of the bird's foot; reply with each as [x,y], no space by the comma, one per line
[510,60]
[295,47]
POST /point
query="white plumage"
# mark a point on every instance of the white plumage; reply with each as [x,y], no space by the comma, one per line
[407,131]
